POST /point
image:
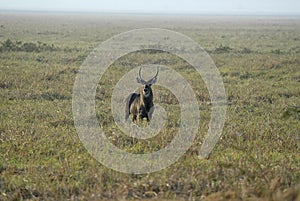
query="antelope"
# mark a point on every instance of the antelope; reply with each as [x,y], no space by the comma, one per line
[140,105]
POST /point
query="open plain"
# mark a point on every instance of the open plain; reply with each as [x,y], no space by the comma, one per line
[257,157]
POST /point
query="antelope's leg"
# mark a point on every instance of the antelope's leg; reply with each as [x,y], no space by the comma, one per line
[134,117]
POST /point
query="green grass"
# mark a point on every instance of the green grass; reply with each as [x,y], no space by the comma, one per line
[257,157]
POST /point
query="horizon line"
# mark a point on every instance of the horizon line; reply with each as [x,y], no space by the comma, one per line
[135,12]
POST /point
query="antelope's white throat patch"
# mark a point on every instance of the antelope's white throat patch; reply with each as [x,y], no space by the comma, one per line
[146,94]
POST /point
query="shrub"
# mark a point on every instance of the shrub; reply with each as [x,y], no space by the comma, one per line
[9,45]
[277,51]
[223,49]
[245,50]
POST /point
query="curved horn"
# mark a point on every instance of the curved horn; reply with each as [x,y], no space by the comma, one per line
[139,78]
[154,79]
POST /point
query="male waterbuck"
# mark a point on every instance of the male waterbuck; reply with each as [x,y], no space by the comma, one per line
[140,105]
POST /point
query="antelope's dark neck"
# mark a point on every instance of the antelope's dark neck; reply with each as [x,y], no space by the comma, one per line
[147,99]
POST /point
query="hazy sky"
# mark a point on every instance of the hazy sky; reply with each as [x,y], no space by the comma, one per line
[273,7]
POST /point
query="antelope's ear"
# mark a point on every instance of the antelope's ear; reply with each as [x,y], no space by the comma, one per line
[152,81]
[140,80]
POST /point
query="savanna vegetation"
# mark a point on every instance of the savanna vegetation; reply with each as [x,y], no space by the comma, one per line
[257,157]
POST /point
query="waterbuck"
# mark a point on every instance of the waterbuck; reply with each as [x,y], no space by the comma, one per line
[140,105]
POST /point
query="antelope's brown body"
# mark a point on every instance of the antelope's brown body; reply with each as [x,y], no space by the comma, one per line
[140,105]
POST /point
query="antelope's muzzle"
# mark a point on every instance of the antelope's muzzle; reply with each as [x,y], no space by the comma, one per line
[146,90]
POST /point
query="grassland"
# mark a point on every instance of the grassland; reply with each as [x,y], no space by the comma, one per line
[257,157]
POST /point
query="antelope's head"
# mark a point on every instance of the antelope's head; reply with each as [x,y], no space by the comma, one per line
[146,89]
